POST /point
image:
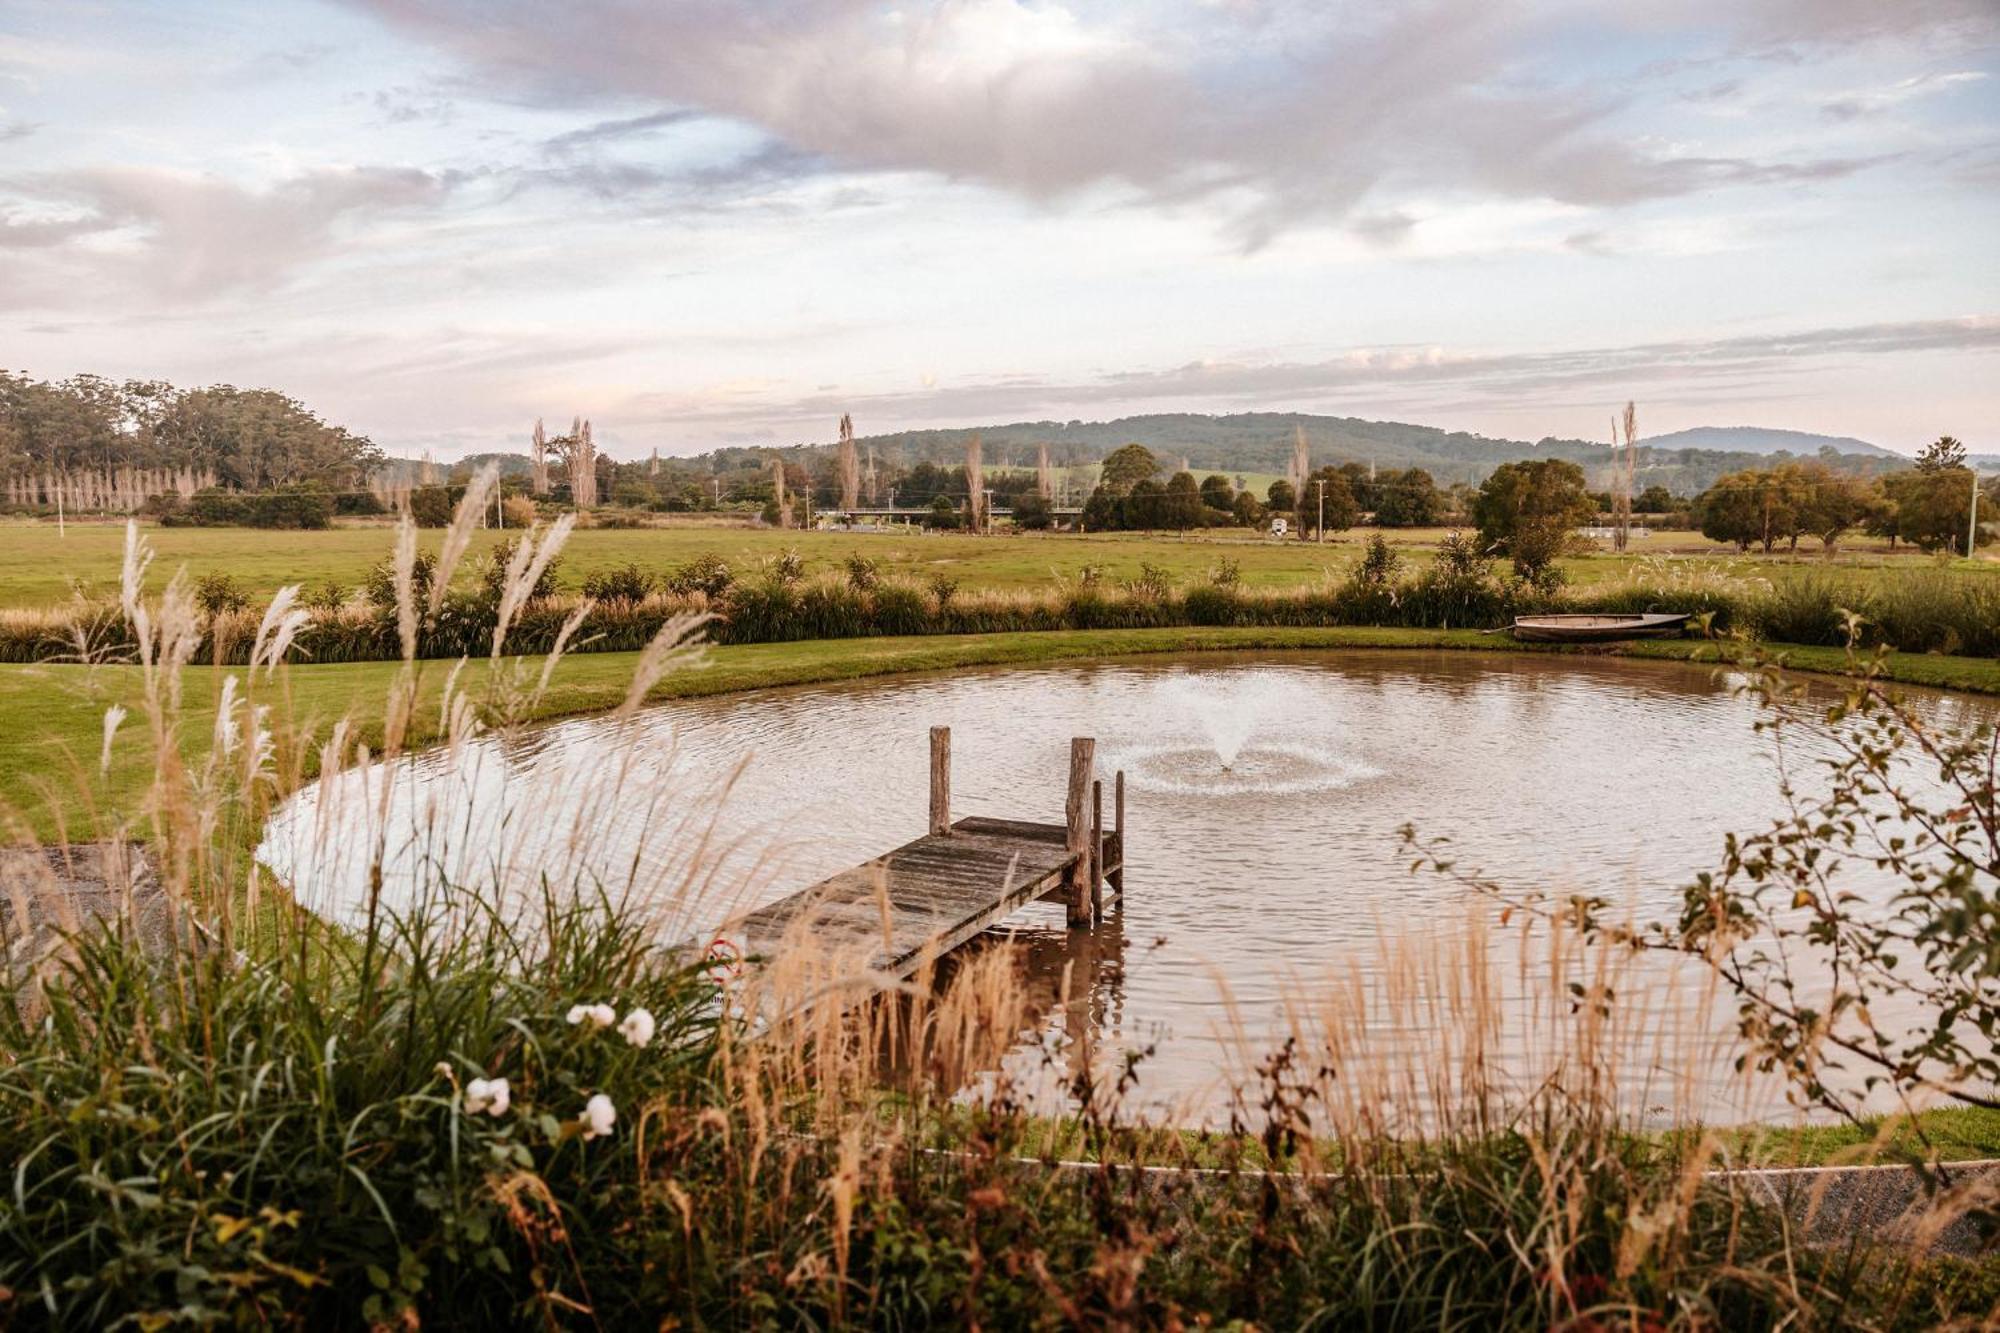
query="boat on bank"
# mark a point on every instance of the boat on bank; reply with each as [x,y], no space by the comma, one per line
[1587,628]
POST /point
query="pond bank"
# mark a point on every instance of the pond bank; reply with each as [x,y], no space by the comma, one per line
[52,714]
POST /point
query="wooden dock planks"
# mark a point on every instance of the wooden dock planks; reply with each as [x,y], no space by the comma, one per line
[919,901]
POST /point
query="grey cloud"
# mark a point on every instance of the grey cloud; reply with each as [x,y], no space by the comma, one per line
[1297,111]
[10,130]
[1384,229]
[756,178]
[198,236]
[612,131]
[408,106]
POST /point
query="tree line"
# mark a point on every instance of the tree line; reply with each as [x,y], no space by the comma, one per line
[1928,505]
[245,439]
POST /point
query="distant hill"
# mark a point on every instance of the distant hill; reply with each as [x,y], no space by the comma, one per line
[1262,442]
[1240,442]
[1763,440]
[1685,462]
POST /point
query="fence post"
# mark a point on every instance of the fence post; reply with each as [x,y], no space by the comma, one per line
[1096,851]
[941,782]
[1082,762]
[1118,828]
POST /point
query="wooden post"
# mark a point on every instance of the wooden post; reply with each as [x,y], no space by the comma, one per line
[941,782]
[1082,761]
[1118,827]
[1096,851]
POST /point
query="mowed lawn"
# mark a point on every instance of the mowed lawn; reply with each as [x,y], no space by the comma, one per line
[40,568]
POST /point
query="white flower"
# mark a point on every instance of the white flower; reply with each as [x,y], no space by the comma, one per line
[638,1027]
[599,1115]
[442,1069]
[597,1015]
[490,1095]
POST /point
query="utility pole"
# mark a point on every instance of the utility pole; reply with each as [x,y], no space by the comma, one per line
[1321,531]
[1972,518]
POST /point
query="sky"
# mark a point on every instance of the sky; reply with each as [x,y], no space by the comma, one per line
[726,222]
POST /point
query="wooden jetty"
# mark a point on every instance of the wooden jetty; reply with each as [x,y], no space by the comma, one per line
[899,911]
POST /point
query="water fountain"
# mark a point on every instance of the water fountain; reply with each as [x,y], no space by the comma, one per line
[1236,716]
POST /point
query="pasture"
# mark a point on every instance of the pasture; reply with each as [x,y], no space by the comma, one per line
[39,568]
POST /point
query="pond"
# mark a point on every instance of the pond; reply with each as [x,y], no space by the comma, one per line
[1265,795]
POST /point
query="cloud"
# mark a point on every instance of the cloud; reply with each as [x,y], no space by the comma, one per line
[186,237]
[1874,101]
[1270,114]
[617,130]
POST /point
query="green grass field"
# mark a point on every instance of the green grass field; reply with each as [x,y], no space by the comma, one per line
[40,568]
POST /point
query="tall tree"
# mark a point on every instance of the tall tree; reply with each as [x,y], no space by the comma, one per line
[1327,491]
[538,460]
[1531,510]
[1127,466]
[1941,454]
[850,465]
[1181,507]
[1408,499]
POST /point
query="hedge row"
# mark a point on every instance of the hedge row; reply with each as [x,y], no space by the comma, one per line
[1916,612]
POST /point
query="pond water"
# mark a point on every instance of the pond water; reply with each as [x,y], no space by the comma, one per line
[1265,797]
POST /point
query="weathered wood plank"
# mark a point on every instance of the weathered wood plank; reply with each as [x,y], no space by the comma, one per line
[940,891]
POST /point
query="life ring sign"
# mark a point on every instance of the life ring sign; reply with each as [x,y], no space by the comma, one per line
[724,960]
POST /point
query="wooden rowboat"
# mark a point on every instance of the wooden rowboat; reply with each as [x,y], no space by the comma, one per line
[1596,628]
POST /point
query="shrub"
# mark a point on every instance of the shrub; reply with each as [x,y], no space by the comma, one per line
[1154,583]
[1807,608]
[1934,611]
[380,587]
[1379,562]
[628,583]
[761,611]
[1032,513]
[219,594]
[706,574]
[519,511]
[862,573]
[1456,589]
[900,608]
[431,506]
[216,508]
[787,567]
[1210,604]
[1226,573]
[943,588]
[326,597]
[493,576]
[832,608]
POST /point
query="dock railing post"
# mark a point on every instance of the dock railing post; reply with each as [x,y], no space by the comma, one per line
[1082,762]
[1118,827]
[941,782]
[1096,851]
